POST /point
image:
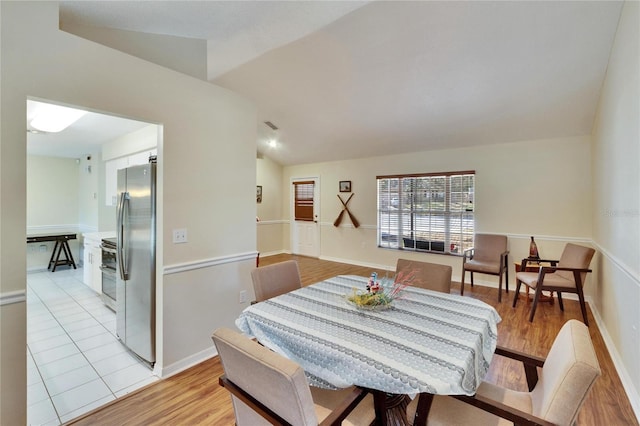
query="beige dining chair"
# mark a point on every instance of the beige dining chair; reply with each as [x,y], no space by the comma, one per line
[267,388]
[427,275]
[566,275]
[555,398]
[488,255]
[273,280]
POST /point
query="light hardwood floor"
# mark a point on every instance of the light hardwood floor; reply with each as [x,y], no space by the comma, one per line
[193,397]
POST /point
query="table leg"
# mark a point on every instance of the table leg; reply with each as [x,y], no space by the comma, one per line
[391,409]
[69,256]
[422,412]
[53,255]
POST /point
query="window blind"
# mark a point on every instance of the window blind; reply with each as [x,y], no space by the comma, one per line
[427,212]
[303,203]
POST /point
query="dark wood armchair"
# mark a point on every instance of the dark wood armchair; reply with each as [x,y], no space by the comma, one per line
[489,255]
[566,275]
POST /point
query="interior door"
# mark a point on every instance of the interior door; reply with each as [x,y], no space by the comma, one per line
[305,229]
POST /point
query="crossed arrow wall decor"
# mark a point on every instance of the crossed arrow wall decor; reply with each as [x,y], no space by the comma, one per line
[346,209]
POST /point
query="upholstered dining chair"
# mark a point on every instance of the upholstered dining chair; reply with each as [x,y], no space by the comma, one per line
[566,275]
[488,255]
[267,388]
[427,275]
[554,398]
[273,280]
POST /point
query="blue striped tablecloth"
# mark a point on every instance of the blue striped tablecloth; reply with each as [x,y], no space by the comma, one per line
[427,342]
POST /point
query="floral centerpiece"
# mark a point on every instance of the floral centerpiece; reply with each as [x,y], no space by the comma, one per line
[379,294]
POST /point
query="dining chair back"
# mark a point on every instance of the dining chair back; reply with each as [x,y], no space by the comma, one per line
[273,280]
[555,397]
[267,388]
[568,374]
[489,255]
[427,275]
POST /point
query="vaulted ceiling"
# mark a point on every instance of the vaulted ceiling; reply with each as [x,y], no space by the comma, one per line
[345,79]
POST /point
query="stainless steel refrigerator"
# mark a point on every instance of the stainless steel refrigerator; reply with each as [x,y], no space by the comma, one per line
[136,259]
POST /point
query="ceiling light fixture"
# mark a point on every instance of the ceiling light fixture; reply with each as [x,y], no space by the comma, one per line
[54,118]
[272,143]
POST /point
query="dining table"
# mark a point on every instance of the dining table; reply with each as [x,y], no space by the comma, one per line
[424,342]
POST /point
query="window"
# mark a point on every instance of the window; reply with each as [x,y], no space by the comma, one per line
[427,212]
[304,200]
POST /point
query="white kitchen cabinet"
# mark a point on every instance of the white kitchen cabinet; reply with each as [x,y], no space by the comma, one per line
[91,274]
[111,172]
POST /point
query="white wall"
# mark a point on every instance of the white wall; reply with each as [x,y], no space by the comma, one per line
[270,227]
[53,204]
[52,196]
[199,121]
[89,192]
[616,201]
[540,188]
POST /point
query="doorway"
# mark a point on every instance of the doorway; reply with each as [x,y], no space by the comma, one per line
[75,361]
[305,208]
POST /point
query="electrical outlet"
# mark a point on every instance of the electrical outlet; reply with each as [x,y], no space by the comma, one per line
[243,296]
[179,236]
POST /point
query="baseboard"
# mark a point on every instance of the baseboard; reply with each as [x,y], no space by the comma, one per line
[625,378]
[186,363]
[273,253]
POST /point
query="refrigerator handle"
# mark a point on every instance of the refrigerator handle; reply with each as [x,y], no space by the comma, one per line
[122,249]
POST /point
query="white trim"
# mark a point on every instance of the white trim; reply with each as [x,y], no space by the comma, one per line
[41,229]
[621,265]
[206,263]
[186,363]
[625,378]
[550,238]
[348,224]
[11,297]
[272,222]
[273,253]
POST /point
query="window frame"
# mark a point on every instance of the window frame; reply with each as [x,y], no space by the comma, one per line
[432,212]
[303,200]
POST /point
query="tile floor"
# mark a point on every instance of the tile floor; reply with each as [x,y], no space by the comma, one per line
[75,362]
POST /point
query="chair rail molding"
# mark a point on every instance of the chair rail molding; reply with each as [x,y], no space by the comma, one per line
[206,263]
[11,297]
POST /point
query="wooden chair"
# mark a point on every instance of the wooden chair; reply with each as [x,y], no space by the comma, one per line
[566,275]
[274,280]
[567,375]
[267,388]
[488,255]
[431,276]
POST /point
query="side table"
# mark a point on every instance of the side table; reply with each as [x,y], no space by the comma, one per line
[534,267]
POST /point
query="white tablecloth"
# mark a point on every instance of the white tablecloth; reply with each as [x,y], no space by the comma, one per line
[427,342]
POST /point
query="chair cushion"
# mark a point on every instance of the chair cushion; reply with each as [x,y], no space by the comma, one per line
[551,280]
[448,411]
[483,266]
[326,400]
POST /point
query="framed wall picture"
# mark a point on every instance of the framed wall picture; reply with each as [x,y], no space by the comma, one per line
[345,186]
[259,193]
